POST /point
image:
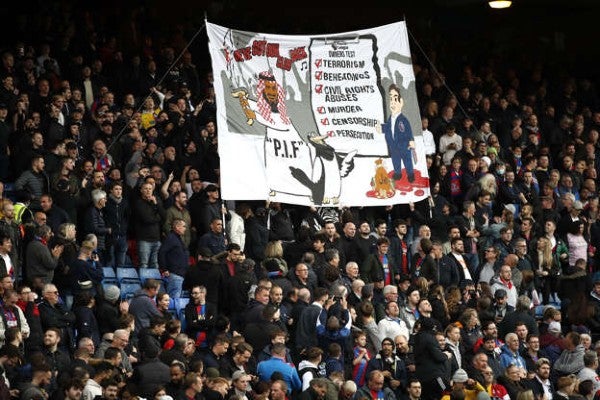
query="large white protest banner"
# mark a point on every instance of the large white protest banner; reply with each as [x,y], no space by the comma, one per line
[323,120]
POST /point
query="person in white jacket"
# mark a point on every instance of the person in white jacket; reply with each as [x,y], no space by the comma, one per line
[391,325]
[11,315]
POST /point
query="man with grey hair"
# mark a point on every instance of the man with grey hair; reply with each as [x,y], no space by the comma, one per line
[348,390]
[177,351]
[390,293]
[590,362]
[349,275]
[510,354]
[120,341]
[95,223]
[54,314]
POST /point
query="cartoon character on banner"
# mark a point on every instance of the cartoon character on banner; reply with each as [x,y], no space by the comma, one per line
[329,167]
[288,158]
[381,184]
[399,137]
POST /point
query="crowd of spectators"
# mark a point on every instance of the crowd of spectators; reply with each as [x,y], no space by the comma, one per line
[486,289]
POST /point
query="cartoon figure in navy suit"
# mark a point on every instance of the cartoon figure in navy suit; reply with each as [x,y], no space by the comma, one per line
[399,136]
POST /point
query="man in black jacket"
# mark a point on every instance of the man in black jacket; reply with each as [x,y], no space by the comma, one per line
[116,216]
[151,373]
[173,258]
[58,359]
[430,361]
[149,214]
[199,316]
[56,315]
[149,338]
[522,315]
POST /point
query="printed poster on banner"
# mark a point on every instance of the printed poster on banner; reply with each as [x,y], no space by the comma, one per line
[323,120]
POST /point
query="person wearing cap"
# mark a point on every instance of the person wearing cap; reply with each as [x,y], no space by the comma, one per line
[108,309]
[500,306]
[462,383]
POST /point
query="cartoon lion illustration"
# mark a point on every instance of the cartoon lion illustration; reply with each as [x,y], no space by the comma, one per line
[381,183]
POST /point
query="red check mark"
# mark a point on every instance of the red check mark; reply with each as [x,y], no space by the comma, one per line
[318,75]
[321,110]
[325,121]
[319,89]
[318,63]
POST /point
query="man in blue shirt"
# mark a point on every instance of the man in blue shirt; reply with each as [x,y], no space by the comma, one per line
[277,363]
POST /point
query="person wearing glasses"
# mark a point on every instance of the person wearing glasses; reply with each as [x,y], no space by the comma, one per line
[493,388]
[200,316]
[54,314]
[512,381]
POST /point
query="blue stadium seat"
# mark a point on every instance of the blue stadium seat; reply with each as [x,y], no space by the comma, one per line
[180,303]
[128,289]
[109,272]
[149,273]
[128,274]
[110,281]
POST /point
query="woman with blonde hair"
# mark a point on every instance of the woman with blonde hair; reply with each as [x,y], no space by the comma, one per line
[546,268]
[423,285]
[274,257]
